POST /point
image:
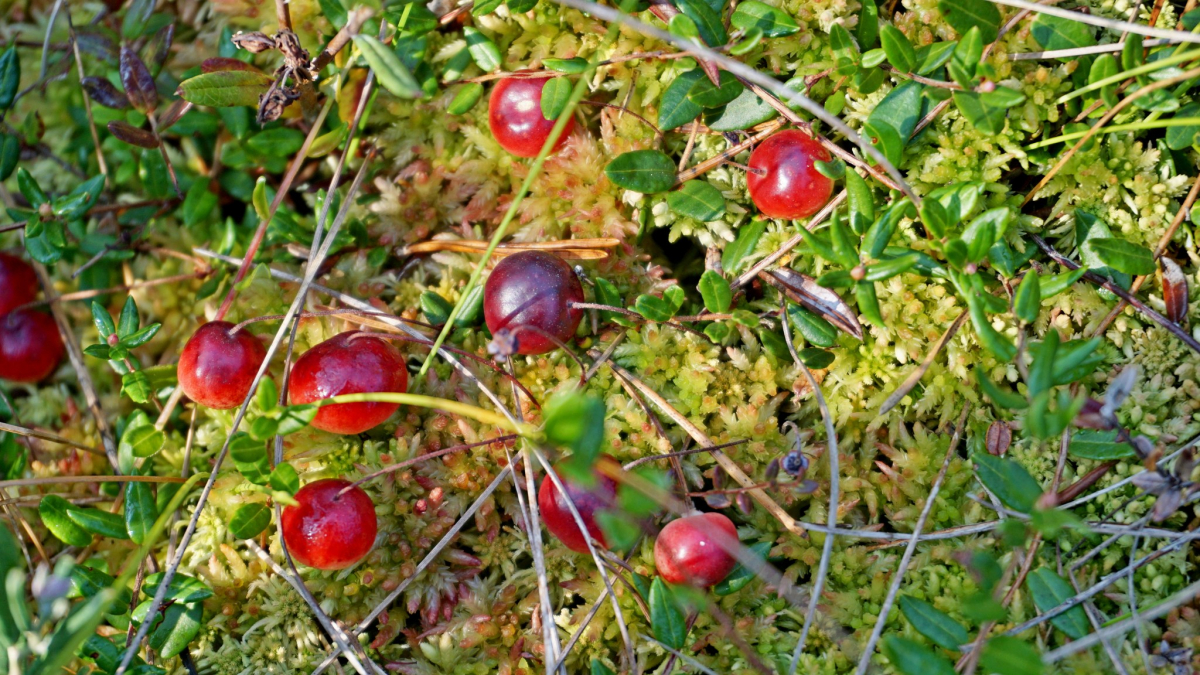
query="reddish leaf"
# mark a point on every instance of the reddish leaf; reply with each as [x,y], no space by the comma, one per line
[138,83]
[103,92]
[172,114]
[1175,290]
[97,44]
[218,63]
[132,135]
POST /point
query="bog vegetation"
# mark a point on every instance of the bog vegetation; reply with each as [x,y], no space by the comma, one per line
[646,336]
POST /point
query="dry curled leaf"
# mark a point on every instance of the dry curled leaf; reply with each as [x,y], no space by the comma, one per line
[138,83]
[103,92]
[253,42]
[804,290]
[1175,290]
[999,437]
[132,135]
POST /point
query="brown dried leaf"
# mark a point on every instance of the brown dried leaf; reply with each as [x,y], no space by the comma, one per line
[804,290]
[132,135]
[103,92]
[218,63]
[138,83]
[999,437]
[1175,290]
[253,42]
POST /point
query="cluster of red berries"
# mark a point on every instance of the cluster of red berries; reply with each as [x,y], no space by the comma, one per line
[30,345]
[783,179]
[692,550]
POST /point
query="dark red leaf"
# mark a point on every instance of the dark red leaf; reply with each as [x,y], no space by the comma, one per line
[132,135]
[158,47]
[103,92]
[218,63]
[138,83]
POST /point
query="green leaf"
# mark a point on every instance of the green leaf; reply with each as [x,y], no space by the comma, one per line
[964,15]
[913,658]
[607,294]
[250,457]
[1008,480]
[179,626]
[933,623]
[708,21]
[572,66]
[435,308]
[10,152]
[715,290]
[676,108]
[77,202]
[697,199]
[1049,591]
[645,171]
[1182,138]
[1089,228]
[391,72]
[887,269]
[654,308]
[103,320]
[772,21]
[868,303]
[815,329]
[575,420]
[54,512]
[249,520]
[225,88]
[666,620]
[1005,655]
[861,201]
[483,51]
[742,246]
[277,142]
[466,98]
[135,384]
[1123,256]
[99,522]
[743,112]
[284,478]
[129,320]
[899,50]
[140,510]
[10,76]
[1099,445]
[1028,301]
[1055,32]
[900,110]
[985,117]
[934,56]
[707,95]
[599,668]
[143,441]
[619,529]
[555,94]
[296,417]
[183,588]
[868,24]
[1057,283]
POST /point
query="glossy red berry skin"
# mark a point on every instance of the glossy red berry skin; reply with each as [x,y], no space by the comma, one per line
[217,367]
[515,117]
[18,283]
[533,288]
[348,363]
[588,500]
[328,531]
[30,346]
[687,552]
[791,186]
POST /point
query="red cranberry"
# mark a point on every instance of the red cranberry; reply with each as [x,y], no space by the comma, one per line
[30,346]
[587,499]
[533,288]
[329,531]
[217,367]
[18,283]
[515,116]
[349,363]
[687,550]
[791,187]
